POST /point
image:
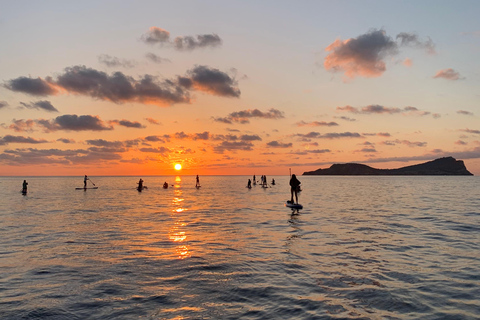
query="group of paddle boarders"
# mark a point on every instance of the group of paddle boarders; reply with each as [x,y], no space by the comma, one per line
[294,186]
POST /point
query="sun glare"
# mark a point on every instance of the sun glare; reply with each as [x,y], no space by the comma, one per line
[178,166]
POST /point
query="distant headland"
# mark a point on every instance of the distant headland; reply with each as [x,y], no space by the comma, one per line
[447,166]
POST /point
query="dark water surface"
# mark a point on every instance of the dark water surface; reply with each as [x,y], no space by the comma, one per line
[362,248]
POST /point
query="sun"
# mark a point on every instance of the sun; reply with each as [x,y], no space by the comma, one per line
[178,166]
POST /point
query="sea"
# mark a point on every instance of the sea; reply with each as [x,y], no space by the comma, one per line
[379,247]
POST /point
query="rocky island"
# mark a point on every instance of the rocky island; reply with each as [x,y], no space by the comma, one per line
[447,166]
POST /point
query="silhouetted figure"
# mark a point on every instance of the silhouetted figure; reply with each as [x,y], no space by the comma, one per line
[140,185]
[294,186]
[273,182]
[197,183]
[254,180]
[249,184]
[24,187]
[85,182]
[165,185]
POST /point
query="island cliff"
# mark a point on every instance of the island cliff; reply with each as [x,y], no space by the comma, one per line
[447,166]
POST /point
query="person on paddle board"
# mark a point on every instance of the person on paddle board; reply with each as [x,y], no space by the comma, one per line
[197,184]
[85,182]
[24,187]
[249,184]
[165,185]
[140,184]
[294,186]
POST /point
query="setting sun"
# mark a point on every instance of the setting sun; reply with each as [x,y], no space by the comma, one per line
[178,166]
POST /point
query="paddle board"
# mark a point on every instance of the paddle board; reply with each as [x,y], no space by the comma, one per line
[86,188]
[293,205]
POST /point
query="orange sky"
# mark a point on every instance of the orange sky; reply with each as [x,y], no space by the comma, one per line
[194,84]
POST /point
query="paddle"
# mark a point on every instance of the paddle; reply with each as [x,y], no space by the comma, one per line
[91,181]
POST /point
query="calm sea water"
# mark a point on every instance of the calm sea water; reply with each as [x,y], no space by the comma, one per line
[362,248]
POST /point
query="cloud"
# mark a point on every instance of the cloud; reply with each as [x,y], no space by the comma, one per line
[22,125]
[105,143]
[244,116]
[471,131]
[365,55]
[200,41]
[19,139]
[332,135]
[460,142]
[448,74]
[194,136]
[248,137]
[161,36]
[155,150]
[467,113]
[153,121]
[276,144]
[65,140]
[233,146]
[32,156]
[113,62]
[316,124]
[407,62]
[156,35]
[40,105]
[210,80]
[361,56]
[157,138]
[73,122]
[128,124]
[412,40]
[120,88]
[156,59]
[33,86]
[379,109]
[404,142]
[3,104]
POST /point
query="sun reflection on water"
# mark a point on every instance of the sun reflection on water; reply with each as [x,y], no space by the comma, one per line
[177,232]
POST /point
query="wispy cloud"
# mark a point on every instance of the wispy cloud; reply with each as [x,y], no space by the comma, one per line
[3,104]
[155,58]
[448,74]
[114,62]
[244,116]
[19,139]
[316,124]
[40,105]
[331,135]
[128,123]
[405,142]
[466,113]
[156,35]
[276,144]
[379,109]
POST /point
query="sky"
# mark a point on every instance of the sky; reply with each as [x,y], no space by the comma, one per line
[236,87]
